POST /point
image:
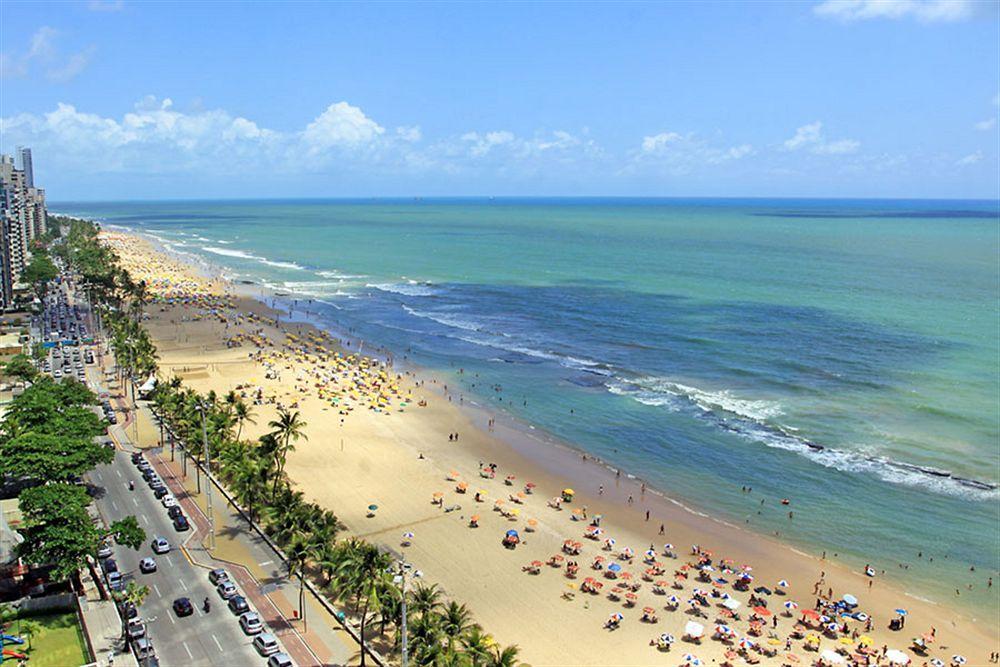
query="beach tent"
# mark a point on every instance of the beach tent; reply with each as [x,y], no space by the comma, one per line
[694,630]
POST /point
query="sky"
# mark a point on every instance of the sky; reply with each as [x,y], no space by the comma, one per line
[124,100]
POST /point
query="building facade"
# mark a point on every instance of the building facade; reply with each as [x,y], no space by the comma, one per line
[23,218]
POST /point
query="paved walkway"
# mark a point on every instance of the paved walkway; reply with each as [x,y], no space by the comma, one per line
[104,626]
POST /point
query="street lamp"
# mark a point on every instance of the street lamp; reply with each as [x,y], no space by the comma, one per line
[401,580]
[208,473]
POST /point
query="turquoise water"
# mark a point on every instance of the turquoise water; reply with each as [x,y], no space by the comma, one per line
[844,354]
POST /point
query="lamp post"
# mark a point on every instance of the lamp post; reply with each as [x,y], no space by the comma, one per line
[208,480]
[404,648]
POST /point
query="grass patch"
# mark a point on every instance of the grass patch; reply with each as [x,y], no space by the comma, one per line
[60,643]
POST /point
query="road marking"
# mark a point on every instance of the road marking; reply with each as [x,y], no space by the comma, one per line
[167,558]
[144,519]
[158,594]
[184,644]
[217,642]
[118,472]
[171,617]
[114,507]
[183,585]
[135,502]
[267,562]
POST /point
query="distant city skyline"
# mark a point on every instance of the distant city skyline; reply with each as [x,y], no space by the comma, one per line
[840,98]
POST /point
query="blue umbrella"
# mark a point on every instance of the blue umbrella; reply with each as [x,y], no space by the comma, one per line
[901,612]
[615,567]
[511,533]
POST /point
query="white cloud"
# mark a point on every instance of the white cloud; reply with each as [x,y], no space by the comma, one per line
[340,125]
[971,158]
[658,142]
[42,51]
[811,137]
[987,124]
[410,134]
[106,5]
[481,144]
[928,11]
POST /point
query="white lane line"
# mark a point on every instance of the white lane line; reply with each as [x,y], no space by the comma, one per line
[171,617]
[267,562]
[144,519]
[184,644]
[114,507]
[167,558]
[183,585]
[217,642]
[158,594]
[135,502]
[118,472]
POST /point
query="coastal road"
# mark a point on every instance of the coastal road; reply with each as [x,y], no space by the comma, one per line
[214,638]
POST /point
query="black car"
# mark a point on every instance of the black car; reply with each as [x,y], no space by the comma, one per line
[175,511]
[238,605]
[148,474]
[160,491]
[183,607]
[129,610]
[136,457]
[110,565]
[181,523]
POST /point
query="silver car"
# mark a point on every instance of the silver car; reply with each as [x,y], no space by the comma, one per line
[250,622]
[226,589]
[266,644]
[160,545]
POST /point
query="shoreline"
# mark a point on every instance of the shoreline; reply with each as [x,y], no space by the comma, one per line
[517,449]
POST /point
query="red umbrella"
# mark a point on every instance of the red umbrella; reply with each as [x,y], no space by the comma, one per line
[762,611]
[811,613]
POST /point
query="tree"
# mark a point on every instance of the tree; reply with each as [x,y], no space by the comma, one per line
[29,629]
[243,414]
[288,427]
[456,620]
[298,553]
[20,368]
[39,271]
[364,572]
[476,645]
[133,593]
[504,657]
[41,457]
[425,599]
[127,532]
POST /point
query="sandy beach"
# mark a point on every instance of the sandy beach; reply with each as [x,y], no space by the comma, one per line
[383,436]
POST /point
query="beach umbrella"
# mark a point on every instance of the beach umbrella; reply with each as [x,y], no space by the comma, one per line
[672,600]
[650,554]
[782,584]
[762,611]
[746,643]
[690,659]
[901,612]
[723,630]
[897,657]
[511,533]
[614,567]
[832,657]
[865,640]
[732,604]
[694,630]
[407,535]
[372,508]
[861,616]
[667,638]
[832,627]
[958,659]
[810,613]
[610,542]
[937,662]
[850,599]
[616,616]
[791,605]
[668,546]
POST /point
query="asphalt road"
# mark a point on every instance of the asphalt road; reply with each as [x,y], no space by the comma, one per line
[200,639]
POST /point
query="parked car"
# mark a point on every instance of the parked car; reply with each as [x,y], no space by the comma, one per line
[183,607]
[280,660]
[115,582]
[218,575]
[226,589]
[160,491]
[238,604]
[160,545]
[181,524]
[168,501]
[129,610]
[266,644]
[143,648]
[110,565]
[104,551]
[147,565]
[174,512]
[136,629]
[250,622]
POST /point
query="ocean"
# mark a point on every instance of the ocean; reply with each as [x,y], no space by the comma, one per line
[843,354]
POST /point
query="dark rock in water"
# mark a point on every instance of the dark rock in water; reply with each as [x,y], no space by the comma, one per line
[246,282]
[975,483]
[587,380]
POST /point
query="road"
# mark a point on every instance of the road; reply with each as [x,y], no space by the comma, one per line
[214,638]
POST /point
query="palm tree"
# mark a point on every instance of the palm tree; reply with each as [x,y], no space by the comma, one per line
[476,645]
[243,413]
[456,620]
[504,657]
[425,599]
[288,427]
[29,629]
[298,552]
[364,573]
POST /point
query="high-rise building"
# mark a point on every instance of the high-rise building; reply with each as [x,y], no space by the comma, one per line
[22,219]
[26,167]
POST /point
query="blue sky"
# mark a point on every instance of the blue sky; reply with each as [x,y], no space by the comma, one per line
[844,98]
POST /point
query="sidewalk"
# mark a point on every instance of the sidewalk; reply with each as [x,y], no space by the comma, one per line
[104,626]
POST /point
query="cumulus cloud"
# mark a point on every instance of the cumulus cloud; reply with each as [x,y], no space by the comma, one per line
[409,134]
[971,158]
[683,153]
[657,142]
[481,144]
[42,53]
[928,11]
[987,124]
[340,125]
[810,137]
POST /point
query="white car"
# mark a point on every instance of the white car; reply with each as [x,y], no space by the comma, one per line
[250,622]
[169,501]
[160,545]
[266,644]
[226,589]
